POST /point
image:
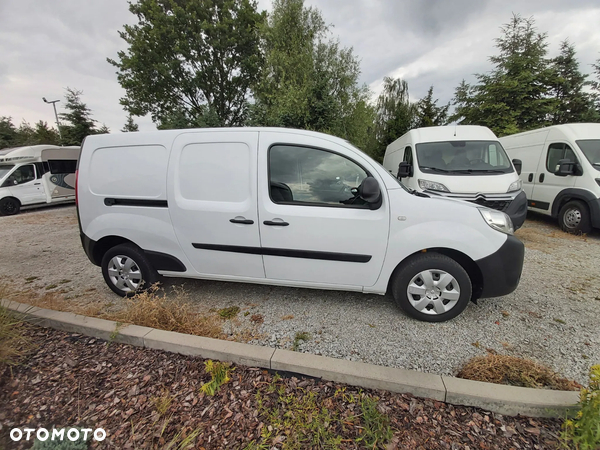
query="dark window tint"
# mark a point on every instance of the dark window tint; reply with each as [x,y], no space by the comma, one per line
[39,169]
[556,152]
[62,166]
[305,175]
[408,156]
[21,175]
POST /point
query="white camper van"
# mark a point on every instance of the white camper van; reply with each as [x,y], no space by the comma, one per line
[36,175]
[561,172]
[283,207]
[464,162]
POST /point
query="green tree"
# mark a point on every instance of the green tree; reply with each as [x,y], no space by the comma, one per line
[130,125]
[515,95]
[78,118]
[196,56]
[45,135]
[309,80]
[429,114]
[8,133]
[596,85]
[574,104]
[395,114]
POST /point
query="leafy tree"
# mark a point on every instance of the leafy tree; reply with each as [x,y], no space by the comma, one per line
[8,133]
[596,84]
[429,114]
[395,114]
[130,125]
[309,81]
[78,118]
[45,135]
[574,104]
[199,57]
[515,95]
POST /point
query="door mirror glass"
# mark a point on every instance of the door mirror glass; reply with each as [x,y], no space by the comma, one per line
[518,165]
[370,192]
[564,168]
[404,170]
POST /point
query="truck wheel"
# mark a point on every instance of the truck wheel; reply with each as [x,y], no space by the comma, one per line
[126,270]
[9,206]
[574,217]
[431,287]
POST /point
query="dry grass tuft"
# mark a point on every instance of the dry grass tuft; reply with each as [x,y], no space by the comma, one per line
[13,342]
[536,239]
[514,371]
[174,313]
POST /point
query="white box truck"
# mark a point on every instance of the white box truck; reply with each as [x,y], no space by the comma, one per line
[464,162]
[36,175]
[561,172]
[283,207]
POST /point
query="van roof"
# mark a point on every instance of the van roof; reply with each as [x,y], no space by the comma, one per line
[574,131]
[32,151]
[451,133]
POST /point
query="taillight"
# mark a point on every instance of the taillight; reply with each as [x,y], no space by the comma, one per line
[76,192]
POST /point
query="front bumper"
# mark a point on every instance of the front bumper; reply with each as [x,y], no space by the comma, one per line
[502,269]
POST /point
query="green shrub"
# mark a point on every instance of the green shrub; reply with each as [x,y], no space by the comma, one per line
[583,431]
[219,373]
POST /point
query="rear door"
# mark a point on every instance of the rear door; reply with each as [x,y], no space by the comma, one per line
[212,201]
[311,231]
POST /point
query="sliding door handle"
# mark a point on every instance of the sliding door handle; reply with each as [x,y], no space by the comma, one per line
[273,223]
[242,220]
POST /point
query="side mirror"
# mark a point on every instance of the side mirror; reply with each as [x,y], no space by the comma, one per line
[370,192]
[565,167]
[518,165]
[404,170]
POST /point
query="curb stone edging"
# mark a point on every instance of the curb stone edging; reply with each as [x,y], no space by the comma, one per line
[502,399]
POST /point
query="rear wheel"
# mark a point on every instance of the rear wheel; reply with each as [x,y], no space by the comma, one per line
[431,287]
[9,206]
[126,270]
[574,217]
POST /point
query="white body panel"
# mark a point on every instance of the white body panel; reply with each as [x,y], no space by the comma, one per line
[214,176]
[533,149]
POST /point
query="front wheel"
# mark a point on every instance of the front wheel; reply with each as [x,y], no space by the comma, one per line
[126,270]
[431,287]
[9,206]
[574,217]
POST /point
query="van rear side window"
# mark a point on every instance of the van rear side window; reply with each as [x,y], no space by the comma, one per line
[62,166]
[215,171]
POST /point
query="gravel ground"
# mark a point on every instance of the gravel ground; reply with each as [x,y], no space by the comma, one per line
[552,317]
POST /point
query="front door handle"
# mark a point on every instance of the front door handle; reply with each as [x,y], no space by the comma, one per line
[530,178]
[541,178]
[273,223]
[36,184]
[242,220]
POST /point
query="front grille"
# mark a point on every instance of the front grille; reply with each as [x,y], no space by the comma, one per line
[499,205]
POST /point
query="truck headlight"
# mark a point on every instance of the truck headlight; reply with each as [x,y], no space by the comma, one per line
[432,186]
[497,220]
[515,186]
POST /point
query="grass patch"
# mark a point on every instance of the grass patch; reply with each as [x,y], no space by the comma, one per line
[13,342]
[257,319]
[514,371]
[174,313]
[163,402]
[377,430]
[301,336]
[229,313]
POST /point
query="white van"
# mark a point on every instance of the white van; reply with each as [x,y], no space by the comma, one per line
[283,207]
[465,162]
[561,172]
[36,175]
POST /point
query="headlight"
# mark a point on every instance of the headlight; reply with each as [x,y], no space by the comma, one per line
[432,186]
[497,220]
[515,186]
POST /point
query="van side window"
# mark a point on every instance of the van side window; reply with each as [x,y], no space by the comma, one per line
[310,176]
[408,156]
[23,174]
[556,152]
[62,166]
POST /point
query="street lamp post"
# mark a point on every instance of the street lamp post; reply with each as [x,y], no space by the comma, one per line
[54,102]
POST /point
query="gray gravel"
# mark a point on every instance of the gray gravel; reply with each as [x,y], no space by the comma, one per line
[553,316]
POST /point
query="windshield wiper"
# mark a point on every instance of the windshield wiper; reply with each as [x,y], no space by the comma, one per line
[477,171]
[437,169]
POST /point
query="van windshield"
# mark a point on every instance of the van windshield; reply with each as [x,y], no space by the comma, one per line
[4,169]
[463,158]
[591,150]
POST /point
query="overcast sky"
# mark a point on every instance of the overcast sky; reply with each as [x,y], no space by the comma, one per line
[46,46]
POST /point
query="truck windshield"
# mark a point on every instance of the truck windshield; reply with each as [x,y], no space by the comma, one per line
[4,169]
[463,158]
[591,150]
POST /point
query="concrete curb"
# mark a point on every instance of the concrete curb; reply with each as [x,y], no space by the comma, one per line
[507,400]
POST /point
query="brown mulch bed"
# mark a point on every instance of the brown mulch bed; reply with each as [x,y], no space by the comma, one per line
[74,380]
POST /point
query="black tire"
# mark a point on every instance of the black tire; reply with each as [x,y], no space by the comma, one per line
[140,275]
[9,206]
[574,217]
[433,264]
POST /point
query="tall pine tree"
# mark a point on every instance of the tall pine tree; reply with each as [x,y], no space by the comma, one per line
[78,118]
[429,114]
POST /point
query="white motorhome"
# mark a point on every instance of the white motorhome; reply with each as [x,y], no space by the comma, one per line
[36,175]
[561,172]
[464,162]
[283,207]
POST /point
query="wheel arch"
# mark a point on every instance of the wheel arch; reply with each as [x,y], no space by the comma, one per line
[105,244]
[566,195]
[464,260]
